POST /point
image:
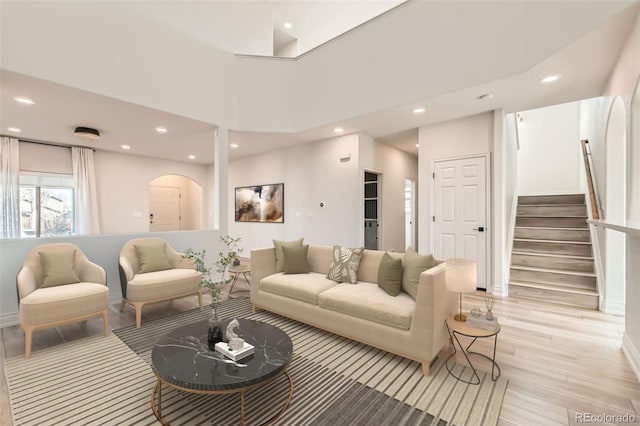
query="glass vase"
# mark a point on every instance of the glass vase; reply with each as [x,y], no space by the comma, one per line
[215,332]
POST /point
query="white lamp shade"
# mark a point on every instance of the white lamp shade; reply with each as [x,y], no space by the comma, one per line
[461,275]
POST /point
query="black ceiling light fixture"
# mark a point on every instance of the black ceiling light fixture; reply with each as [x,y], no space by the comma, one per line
[87,133]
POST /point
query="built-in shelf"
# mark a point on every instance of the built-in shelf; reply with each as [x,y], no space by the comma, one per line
[630,227]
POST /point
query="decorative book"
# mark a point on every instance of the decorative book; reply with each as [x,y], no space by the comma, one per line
[224,349]
[482,322]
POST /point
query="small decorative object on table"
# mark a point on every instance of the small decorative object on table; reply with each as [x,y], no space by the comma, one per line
[477,320]
[489,304]
[237,348]
[214,288]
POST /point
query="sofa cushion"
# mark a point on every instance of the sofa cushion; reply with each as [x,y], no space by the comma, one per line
[413,265]
[280,253]
[47,305]
[368,301]
[58,267]
[295,260]
[344,264]
[152,256]
[163,284]
[390,275]
[306,289]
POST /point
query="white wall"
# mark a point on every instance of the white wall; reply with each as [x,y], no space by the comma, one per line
[311,173]
[123,181]
[100,249]
[148,63]
[456,138]
[549,157]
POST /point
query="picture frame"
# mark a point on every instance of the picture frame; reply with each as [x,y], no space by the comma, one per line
[260,203]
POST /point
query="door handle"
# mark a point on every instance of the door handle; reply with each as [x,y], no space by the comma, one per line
[480,229]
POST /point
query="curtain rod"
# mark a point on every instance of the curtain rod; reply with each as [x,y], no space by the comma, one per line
[39,142]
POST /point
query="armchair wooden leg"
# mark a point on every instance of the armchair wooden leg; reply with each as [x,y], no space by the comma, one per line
[105,320]
[28,334]
[200,299]
[425,368]
[138,314]
[123,303]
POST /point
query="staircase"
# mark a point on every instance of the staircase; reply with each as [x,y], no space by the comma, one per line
[552,259]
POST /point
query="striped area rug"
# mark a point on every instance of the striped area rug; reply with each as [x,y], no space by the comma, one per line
[336,382]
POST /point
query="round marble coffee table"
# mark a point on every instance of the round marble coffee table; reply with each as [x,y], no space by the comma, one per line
[181,359]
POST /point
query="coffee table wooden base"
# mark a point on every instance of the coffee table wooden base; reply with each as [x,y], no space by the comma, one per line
[157,391]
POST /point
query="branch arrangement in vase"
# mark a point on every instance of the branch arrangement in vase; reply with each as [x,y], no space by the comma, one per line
[214,278]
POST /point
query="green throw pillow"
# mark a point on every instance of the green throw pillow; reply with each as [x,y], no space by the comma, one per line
[413,265]
[58,267]
[295,260]
[152,256]
[344,264]
[280,254]
[390,275]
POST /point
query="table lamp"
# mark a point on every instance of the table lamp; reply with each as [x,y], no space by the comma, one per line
[461,278]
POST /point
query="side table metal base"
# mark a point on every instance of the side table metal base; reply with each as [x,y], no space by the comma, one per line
[466,352]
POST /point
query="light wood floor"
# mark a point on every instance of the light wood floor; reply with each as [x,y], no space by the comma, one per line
[559,360]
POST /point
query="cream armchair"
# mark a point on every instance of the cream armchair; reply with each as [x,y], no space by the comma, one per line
[58,285]
[151,271]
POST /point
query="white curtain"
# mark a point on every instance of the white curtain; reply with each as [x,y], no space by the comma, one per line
[9,188]
[87,221]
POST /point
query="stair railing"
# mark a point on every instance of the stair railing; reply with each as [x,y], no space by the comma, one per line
[596,211]
[596,214]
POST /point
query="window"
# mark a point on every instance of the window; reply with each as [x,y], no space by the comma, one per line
[46,206]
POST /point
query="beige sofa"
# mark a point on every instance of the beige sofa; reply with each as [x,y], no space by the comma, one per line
[414,329]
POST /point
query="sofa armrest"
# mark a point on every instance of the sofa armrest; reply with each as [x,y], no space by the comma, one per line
[263,264]
[434,303]
[91,273]
[26,282]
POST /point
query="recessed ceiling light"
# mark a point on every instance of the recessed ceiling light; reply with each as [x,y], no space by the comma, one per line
[419,110]
[234,145]
[14,129]
[550,78]
[24,100]
[161,129]
[288,25]
[192,157]
[486,97]
[338,130]
[125,147]
[417,145]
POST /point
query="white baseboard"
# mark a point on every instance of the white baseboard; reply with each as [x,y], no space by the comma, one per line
[13,318]
[632,353]
[613,308]
[9,319]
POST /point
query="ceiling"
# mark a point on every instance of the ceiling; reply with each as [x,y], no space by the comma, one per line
[59,108]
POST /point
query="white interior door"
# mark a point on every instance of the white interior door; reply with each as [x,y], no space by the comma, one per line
[460,212]
[164,208]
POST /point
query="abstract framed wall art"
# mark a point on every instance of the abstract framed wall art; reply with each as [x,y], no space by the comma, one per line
[260,203]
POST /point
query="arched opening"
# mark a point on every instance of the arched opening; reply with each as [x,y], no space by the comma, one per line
[633,160]
[615,206]
[175,204]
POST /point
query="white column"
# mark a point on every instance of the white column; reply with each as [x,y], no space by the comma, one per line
[220,180]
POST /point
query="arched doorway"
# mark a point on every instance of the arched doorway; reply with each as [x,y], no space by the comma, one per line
[615,206]
[175,204]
